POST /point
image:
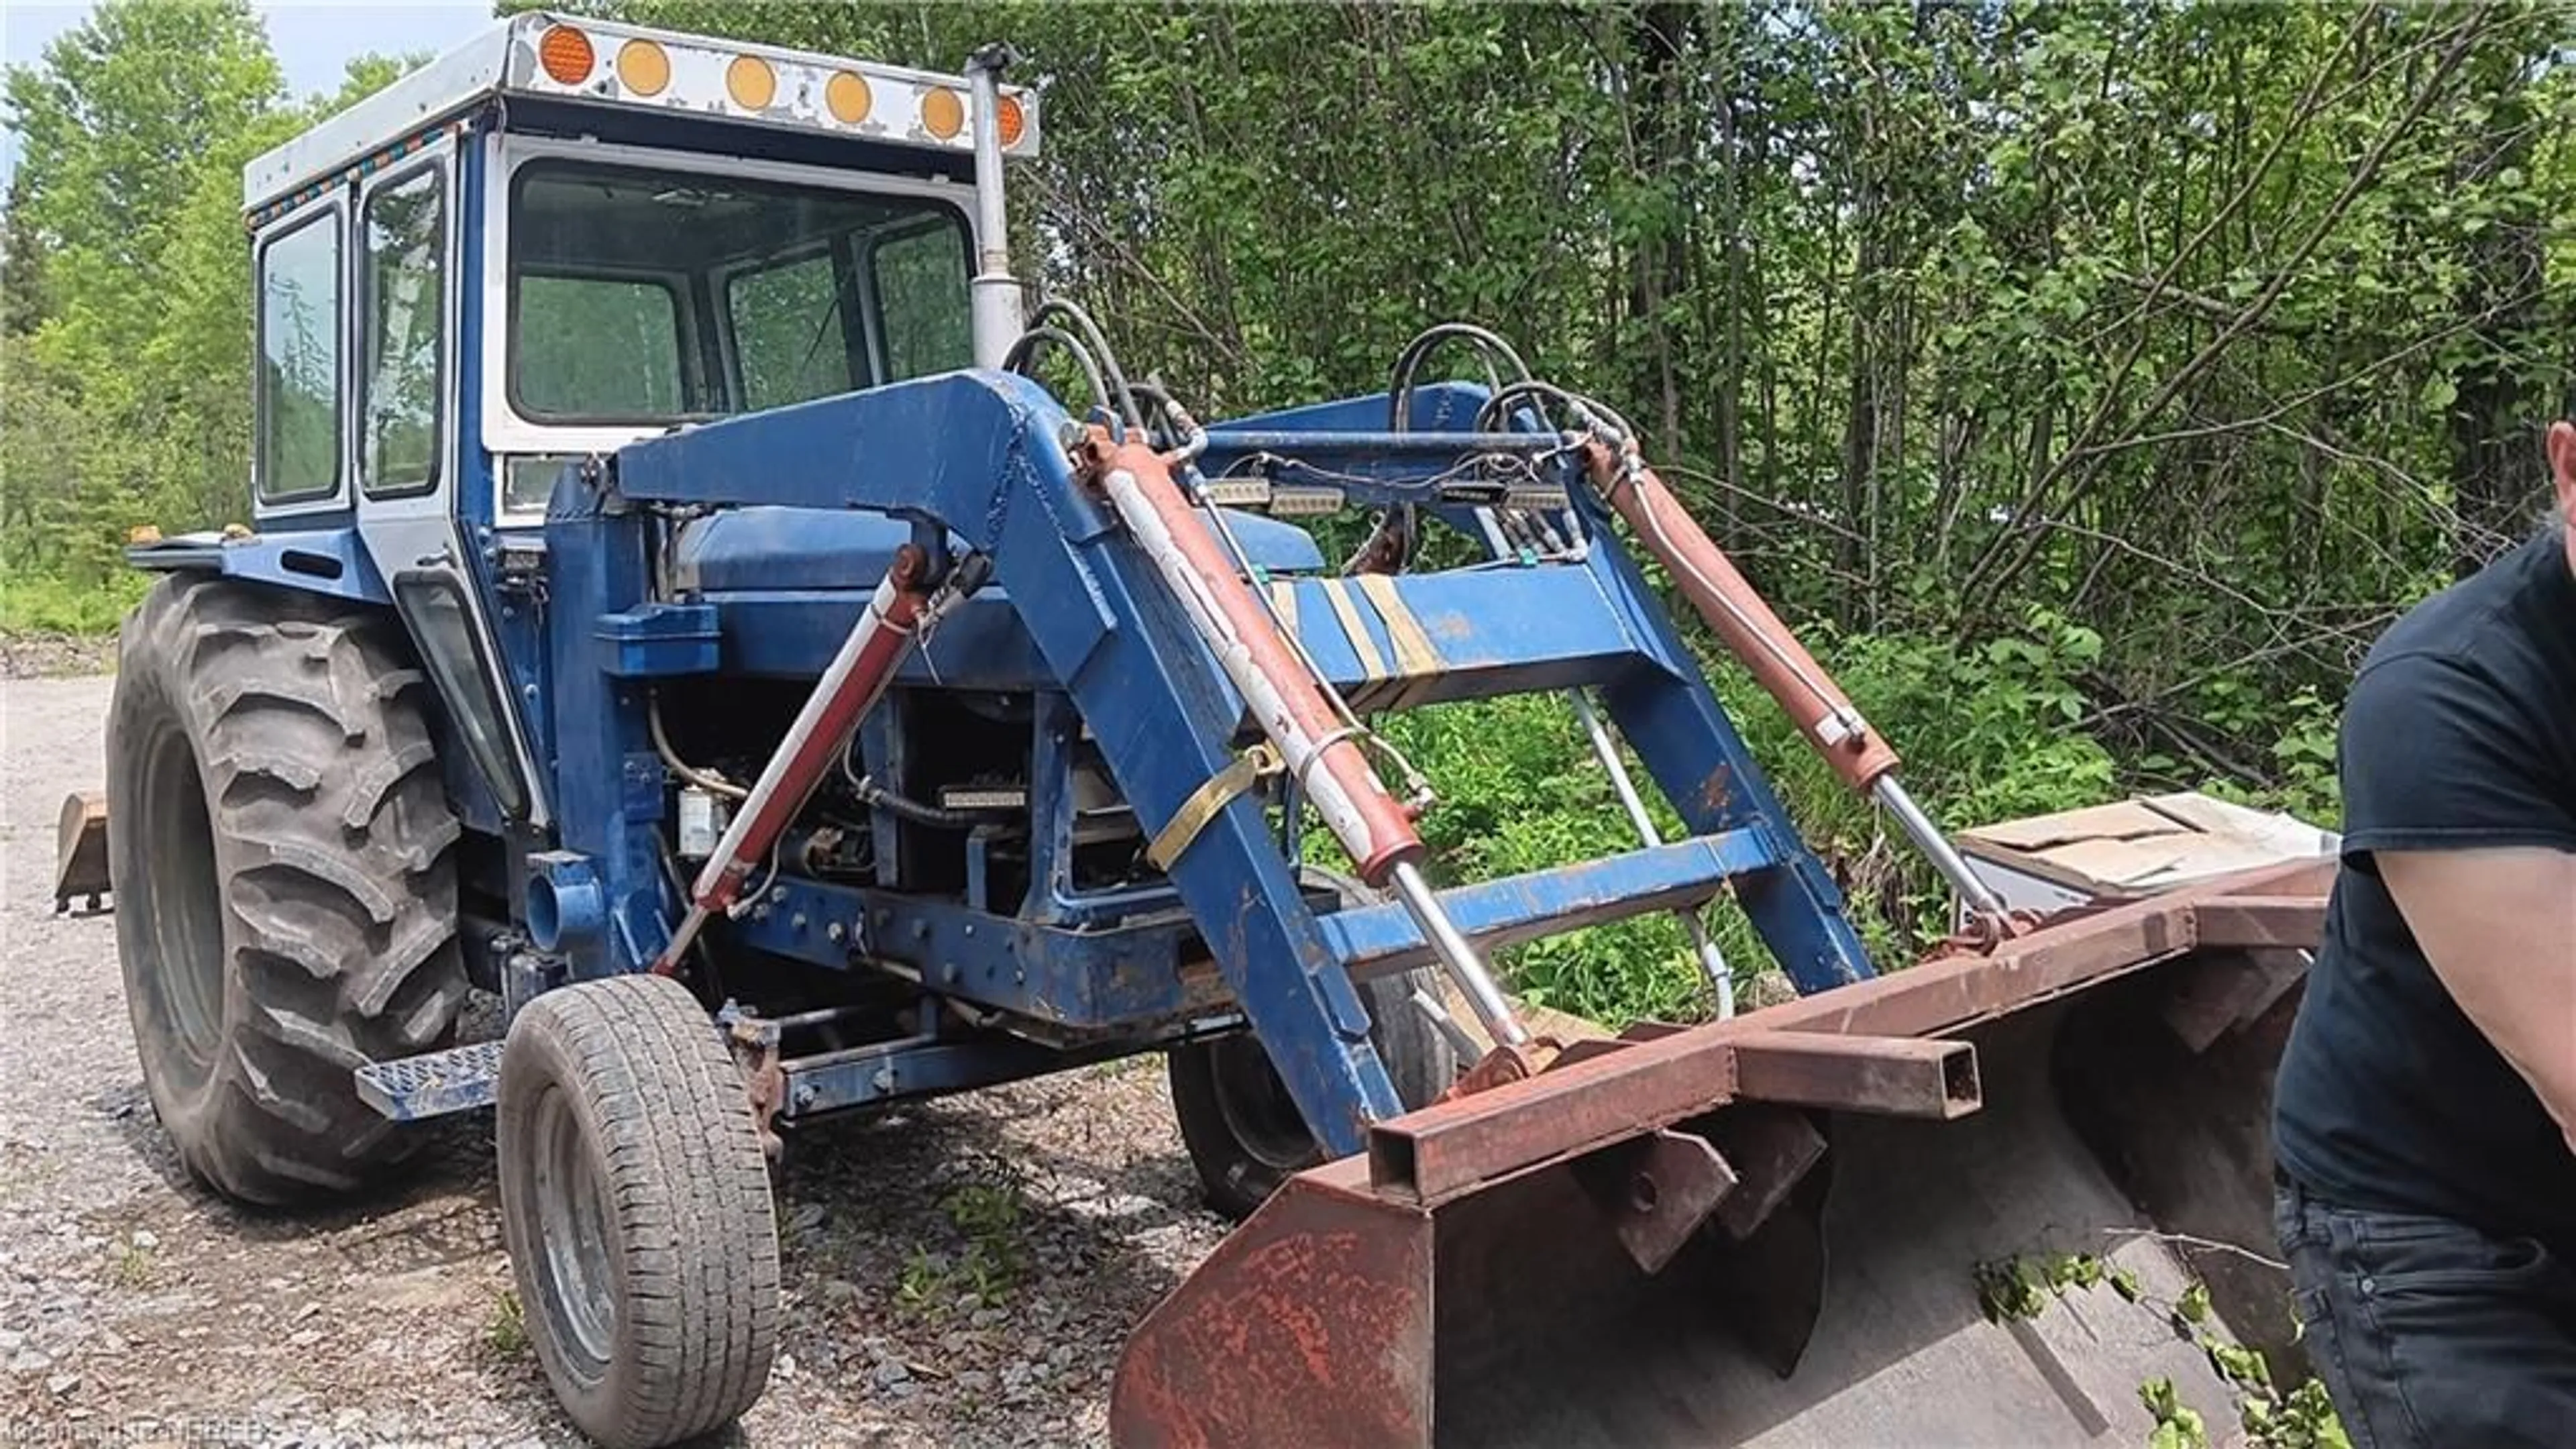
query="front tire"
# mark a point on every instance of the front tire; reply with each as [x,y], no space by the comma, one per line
[635,1201]
[1244,1132]
[281,845]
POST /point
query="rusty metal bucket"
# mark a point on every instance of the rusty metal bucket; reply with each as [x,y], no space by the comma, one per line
[1769,1231]
[80,850]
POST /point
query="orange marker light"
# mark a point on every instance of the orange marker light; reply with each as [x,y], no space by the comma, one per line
[848,98]
[643,68]
[1011,121]
[943,114]
[751,82]
[566,55]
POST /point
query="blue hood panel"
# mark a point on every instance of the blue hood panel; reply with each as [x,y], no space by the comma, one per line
[836,548]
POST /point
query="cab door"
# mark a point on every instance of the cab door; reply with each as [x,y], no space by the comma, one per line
[407,254]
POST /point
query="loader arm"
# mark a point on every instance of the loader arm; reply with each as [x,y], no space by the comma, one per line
[1161,650]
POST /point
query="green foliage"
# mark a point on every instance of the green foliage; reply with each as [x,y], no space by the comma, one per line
[2178,1425]
[130,1263]
[34,603]
[2018,1288]
[505,1328]
[985,1264]
[125,354]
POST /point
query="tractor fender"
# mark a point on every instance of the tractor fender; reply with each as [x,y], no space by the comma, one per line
[314,561]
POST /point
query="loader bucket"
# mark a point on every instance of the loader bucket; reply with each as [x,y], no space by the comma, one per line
[1771,1230]
[80,850]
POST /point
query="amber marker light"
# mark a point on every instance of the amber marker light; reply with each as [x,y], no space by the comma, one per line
[566,55]
[848,98]
[643,68]
[943,114]
[751,83]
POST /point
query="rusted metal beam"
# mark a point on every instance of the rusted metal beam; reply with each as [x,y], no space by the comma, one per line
[2254,921]
[1898,1076]
[1451,1148]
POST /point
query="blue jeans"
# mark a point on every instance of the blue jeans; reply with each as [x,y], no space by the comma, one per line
[2428,1333]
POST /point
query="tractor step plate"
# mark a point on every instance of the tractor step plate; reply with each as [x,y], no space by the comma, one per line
[459,1079]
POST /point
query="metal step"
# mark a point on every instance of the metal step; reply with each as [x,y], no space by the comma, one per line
[433,1084]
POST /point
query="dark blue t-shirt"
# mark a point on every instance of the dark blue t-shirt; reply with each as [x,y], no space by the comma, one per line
[2460,734]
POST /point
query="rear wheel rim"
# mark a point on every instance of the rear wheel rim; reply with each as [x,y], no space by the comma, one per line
[1260,1115]
[572,1225]
[187,903]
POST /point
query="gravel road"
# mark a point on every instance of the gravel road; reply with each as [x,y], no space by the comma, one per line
[956,1274]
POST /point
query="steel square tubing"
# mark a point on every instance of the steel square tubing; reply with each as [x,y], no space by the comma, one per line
[1450,1148]
[1375,939]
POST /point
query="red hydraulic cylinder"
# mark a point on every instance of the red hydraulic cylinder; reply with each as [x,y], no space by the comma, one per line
[1750,631]
[850,687]
[1286,699]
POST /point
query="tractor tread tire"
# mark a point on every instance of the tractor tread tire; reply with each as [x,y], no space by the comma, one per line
[1236,1177]
[332,844]
[692,1239]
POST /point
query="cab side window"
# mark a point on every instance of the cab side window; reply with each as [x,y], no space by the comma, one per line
[299,361]
[921,292]
[404,293]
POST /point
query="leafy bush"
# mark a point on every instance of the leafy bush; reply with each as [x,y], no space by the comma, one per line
[40,603]
[1987,734]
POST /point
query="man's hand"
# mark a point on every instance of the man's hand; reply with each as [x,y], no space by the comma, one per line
[2499,927]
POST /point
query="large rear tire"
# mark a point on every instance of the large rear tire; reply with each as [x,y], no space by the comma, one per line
[1244,1132]
[281,845]
[636,1205]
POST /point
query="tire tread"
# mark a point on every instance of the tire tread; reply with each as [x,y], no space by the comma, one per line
[685,1176]
[335,858]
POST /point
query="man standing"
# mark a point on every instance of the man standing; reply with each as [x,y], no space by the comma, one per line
[2425,1116]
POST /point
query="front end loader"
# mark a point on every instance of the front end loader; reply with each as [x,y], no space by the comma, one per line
[692,621]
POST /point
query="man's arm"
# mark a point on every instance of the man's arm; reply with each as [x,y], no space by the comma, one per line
[2499,927]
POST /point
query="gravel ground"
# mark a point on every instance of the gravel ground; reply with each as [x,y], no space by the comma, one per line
[956,1274]
[33,656]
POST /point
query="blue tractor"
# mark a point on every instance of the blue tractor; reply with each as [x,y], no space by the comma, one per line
[676,608]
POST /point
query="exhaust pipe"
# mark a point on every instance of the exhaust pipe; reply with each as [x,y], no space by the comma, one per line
[994,295]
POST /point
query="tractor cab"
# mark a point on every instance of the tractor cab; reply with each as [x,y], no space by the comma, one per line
[560,238]
[564,237]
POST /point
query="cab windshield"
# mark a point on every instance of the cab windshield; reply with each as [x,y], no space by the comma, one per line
[651,297]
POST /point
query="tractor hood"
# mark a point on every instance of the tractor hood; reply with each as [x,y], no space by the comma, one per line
[764,548]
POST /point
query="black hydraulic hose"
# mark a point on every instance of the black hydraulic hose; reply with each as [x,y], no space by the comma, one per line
[1025,349]
[922,812]
[1588,410]
[919,812]
[1409,362]
[1098,341]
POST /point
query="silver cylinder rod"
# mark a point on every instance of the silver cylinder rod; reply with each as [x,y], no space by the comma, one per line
[1465,970]
[1712,962]
[1936,847]
[994,295]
